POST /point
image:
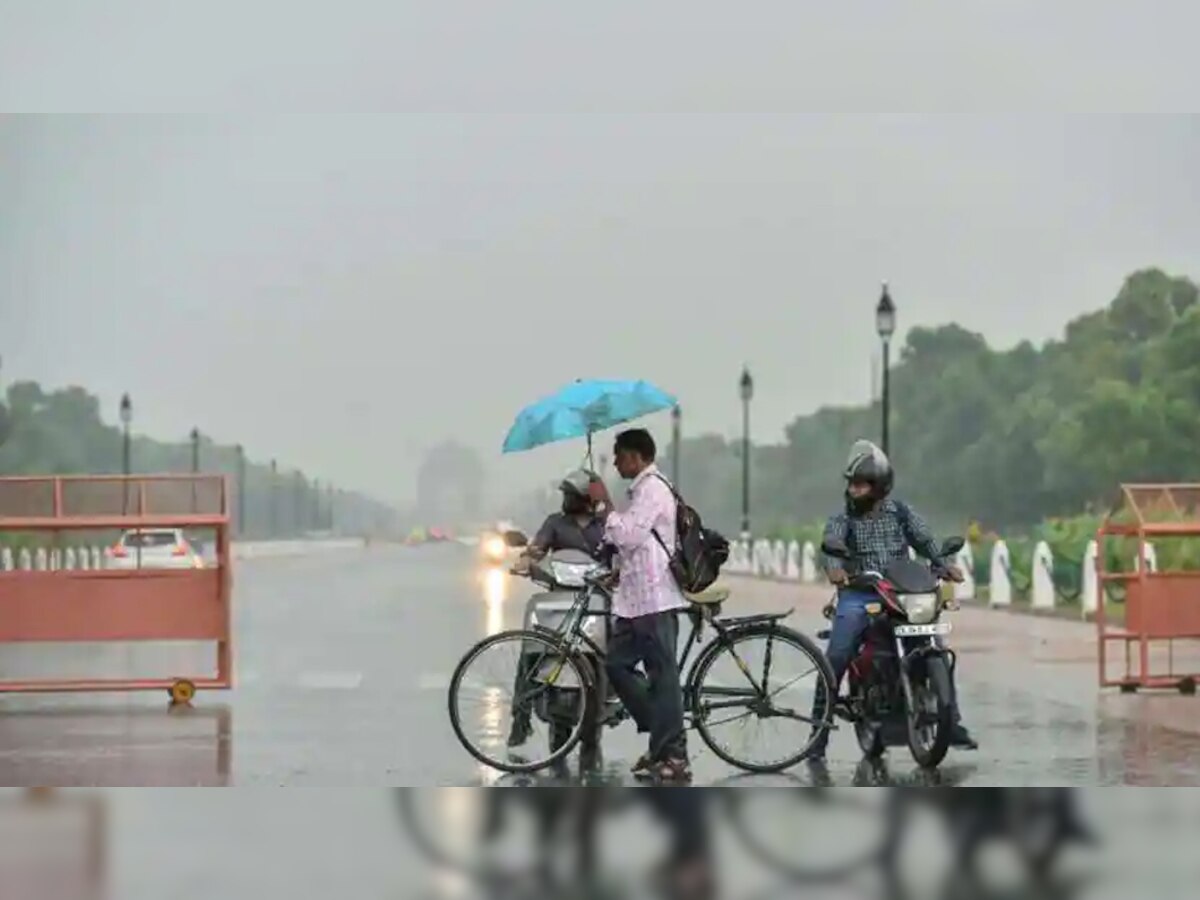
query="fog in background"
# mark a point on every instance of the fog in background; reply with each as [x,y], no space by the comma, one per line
[576,193]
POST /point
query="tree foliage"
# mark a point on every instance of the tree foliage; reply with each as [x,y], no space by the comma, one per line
[1006,437]
[62,432]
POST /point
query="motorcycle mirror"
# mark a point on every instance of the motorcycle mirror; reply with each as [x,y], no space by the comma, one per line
[952,546]
[515,539]
[836,549]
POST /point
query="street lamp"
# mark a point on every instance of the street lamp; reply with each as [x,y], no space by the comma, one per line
[746,385]
[676,432]
[274,498]
[241,489]
[885,325]
[195,436]
[126,421]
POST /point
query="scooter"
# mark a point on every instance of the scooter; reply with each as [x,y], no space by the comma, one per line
[562,574]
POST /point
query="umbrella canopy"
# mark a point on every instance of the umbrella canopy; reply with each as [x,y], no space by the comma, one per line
[583,408]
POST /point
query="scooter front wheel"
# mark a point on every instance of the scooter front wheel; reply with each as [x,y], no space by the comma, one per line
[511,677]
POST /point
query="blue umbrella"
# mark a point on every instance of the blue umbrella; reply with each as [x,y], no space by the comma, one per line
[583,408]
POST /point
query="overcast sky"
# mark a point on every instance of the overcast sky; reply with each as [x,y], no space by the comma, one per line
[530,199]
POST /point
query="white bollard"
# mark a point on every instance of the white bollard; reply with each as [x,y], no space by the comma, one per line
[791,570]
[6,560]
[1150,557]
[965,560]
[97,558]
[40,560]
[761,559]
[56,562]
[1042,596]
[24,560]
[778,559]
[739,558]
[1089,580]
[69,560]
[808,563]
[1000,587]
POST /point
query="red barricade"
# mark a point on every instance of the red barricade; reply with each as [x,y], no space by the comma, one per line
[1162,607]
[100,604]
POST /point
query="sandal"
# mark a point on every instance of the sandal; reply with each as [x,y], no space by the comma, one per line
[673,770]
[644,767]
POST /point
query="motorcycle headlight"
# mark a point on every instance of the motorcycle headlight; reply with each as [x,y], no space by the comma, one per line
[495,547]
[921,608]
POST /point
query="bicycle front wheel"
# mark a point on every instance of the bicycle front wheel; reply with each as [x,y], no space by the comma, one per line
[512,693]
[753,694]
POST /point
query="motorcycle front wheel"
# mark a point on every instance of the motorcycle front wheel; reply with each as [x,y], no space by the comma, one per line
[932,715]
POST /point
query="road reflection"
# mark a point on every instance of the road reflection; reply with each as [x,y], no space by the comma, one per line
[534,843]
[495,593]
[114,746]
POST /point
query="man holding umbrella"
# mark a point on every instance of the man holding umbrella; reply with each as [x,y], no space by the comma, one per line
[646,607]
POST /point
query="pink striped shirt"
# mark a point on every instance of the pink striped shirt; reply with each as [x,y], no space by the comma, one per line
[647,585]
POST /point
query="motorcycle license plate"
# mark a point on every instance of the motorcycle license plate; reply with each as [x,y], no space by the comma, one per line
[923,630]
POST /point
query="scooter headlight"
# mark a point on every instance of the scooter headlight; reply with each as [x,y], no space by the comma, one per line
[921,608]
[494,547]
[570,575]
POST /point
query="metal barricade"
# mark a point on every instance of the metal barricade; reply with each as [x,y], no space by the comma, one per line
[114,605]
[1161,607]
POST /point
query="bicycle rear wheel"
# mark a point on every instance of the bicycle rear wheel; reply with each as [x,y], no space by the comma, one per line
[513,675]
[759,682]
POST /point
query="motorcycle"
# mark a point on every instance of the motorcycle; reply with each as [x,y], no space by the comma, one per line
[900,687]
[562,575]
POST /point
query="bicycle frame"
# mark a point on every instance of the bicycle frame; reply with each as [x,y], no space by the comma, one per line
[571,639]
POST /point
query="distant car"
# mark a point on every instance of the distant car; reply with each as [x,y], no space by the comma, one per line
[154,548]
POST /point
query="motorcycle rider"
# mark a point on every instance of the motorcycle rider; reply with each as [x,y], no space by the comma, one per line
[576,527]
[879,530]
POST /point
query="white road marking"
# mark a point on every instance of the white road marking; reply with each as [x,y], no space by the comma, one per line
[433,682]
[331,681]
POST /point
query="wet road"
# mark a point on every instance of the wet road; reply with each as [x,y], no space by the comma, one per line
[343,660]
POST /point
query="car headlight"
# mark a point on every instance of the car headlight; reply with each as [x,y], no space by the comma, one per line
[921,608]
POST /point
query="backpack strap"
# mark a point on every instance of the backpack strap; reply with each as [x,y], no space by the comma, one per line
[678,500]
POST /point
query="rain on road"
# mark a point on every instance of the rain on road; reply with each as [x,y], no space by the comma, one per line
[343,660]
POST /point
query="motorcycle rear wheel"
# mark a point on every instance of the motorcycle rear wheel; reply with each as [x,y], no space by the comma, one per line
[931,694]
[868,732]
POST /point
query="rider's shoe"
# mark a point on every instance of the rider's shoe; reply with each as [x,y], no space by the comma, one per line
[961,739]
[522,731]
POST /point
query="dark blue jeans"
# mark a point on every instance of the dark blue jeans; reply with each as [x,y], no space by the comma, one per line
[655,700]
[850,623]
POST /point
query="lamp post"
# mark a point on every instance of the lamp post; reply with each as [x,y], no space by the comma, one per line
[676,432]
[746,386]
[195,438]
[315,513]
[329,519]
[274,498]
[885,325]
[241,489]
[126,421]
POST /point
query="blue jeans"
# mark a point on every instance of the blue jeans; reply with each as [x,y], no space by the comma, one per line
[850,623]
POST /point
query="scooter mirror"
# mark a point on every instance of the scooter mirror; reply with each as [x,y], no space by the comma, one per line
[516,539]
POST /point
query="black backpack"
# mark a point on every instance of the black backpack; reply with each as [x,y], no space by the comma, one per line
[699,552]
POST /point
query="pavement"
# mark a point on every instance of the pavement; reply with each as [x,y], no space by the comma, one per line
[343,660]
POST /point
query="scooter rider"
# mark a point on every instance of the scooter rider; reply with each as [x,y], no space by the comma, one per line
[576,527]
[879,530]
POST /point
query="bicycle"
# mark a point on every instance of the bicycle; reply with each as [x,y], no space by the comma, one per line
[563,664]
